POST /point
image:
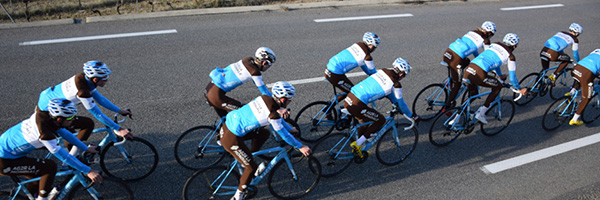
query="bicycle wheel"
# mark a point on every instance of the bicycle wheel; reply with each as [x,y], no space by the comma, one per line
[562,85]
[529,82]
[197,148]
[447,127]
[316,120]
[284,184]
[334,153]
[429,101]
[110,188]
[557,113]
[4,195]
[202,184]
[394,147]
[592,112]
[132,161]
[499,117]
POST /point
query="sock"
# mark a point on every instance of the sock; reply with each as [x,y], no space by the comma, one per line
[482,110]
[572,91]
[361,140]
[41,198]
[575,117]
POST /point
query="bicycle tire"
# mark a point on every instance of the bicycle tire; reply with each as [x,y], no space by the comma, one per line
[281,182]
[141,153]
[553,118]
[392,149]
[8,195]
[314,129]
[326,152]
[442,133]
[562,85]
[592,111]
[429,101]
[529,82]
[110,188]
[498,119]
[198,185]
[187,153]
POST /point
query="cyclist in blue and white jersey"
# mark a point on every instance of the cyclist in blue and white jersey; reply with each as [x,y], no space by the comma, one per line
[357,55]
[584,73]
[39,131]
[226,79]
[554,49]
[497,55]
[258,113]
[384,83]
[82,89]
[456,56]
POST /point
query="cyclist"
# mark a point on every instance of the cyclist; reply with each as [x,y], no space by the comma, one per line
[81,89]
[359,54]
[584,73]
[492,59]
[260,112]
[554,47]
[234,75]
[38,131]
[457,53]
[384,83]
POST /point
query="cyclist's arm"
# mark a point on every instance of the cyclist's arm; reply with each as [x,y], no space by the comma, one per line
[277,125]
[261,85]
[62,155]
[512,65]
[104,102]
[576,51]
[89,104]
[369,67]
[397,98]
[69,137]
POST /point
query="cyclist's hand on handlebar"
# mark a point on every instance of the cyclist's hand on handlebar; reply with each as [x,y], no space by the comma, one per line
[523,91]
[305,150]
[126,112]
[285,113]
[94,176]
[124,133]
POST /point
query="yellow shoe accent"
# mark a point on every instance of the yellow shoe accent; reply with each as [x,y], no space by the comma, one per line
[357,149]
[578,122]
[567,94]
[552,77]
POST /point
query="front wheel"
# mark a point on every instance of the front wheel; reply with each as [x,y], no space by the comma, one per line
[284,183]
[334,153]
[110,188]
[395,146]
[592,112]
[498,116]
[534,87]
[316,120]
[557,113]
[197,148]
[429,101]
[447,126]
[131,161]
[203,183]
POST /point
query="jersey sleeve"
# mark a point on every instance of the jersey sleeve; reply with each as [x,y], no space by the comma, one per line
[62,155]
[103,118]
[512,65]
[398,99]
[103,101]
[278,127]
[69,137]
[369,67]
[261,85]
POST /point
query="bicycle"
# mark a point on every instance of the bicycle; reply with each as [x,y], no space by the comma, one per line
[458,120]
[395,143]
[199,147]
[77,187]
[221,182]
[563,109]
[539,84]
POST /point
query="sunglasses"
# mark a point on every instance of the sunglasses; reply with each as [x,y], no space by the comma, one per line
[103,78]
[71,118]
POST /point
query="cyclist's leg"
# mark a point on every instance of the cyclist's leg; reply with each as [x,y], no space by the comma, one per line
[363,113]
[454,62]
[585,77]
[258,138]
[237,148]
[31,168]
[545,57]
[564,59]
[339,81]
[85,125]
[219,101]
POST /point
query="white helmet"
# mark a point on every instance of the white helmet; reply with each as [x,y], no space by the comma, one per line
[96,69]
[283,89]
[400,65]
[597,51]
[371,39]
[576,28]
[489,27]
[511,39]
[265,54]
[61,107]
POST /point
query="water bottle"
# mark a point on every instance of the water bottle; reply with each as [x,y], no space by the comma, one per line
[260,169]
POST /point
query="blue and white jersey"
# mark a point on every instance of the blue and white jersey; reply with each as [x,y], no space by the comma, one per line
[470,43]
[374,87]
[496,56]
[237,74]
[354,56]
[560,41]
[591,62]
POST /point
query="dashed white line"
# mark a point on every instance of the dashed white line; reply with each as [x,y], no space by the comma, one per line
[539,155]
[362,18]
[532,7]
[98,37]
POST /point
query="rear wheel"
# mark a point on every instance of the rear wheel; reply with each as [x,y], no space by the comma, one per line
[9,195]
[592,111]
[557,113]
[562,85]
[447,126]
[429,101]
[334,153]
[197,148]
[316,120]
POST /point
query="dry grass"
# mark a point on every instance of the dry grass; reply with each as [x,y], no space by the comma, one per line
[37,10]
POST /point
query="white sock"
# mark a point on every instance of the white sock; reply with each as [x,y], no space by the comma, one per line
[74,151]
[572,91]
[361,140]
[575,117]
[482,110]
[41,198]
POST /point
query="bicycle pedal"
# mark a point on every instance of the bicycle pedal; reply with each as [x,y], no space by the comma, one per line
[361,159]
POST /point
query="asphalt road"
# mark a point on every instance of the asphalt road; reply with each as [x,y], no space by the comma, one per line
[162,77]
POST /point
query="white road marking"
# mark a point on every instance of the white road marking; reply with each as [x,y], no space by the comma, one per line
[317,79]
[362,18]
[541,154]
[98,37]
[532,7]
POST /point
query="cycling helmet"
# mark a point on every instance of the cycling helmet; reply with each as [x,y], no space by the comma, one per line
[96,69]
[283,89]
[576,28]
[489,27]
[371,39]
[597,51]
[265,54]
[61,107]
[511,39]
[400,65]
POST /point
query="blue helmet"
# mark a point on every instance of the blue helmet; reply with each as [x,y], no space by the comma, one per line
[576,28]
[511,39]
[96,69]
[401,65]
[489,27]
[61,107]
[282,89]
[371,39]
